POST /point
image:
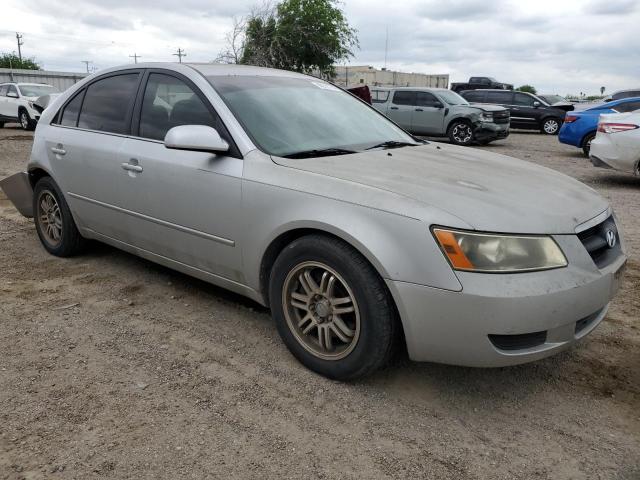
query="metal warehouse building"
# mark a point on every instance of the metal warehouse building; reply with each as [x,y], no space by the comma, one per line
[60,80]
[353,76]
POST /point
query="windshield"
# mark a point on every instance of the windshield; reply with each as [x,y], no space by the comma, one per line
[36,90]
[285,116]
[551,99]
[451,97]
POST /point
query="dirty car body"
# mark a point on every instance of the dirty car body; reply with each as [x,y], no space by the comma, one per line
[538,276]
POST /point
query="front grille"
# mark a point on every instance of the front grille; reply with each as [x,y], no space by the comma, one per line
[519,342]
[501,117]
[594,240]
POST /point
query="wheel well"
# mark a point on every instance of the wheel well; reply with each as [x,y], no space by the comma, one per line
[584,138]
[459,119]
[22,108]
[36,174]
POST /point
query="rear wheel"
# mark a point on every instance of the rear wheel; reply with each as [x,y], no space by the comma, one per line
[331,308]
[460,133]
[54,223]
[586,143]
[550,126]
[25,121]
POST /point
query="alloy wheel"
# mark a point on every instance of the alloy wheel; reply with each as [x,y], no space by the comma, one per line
[321,310]
[50,218]
[24,120]
[462,133]
[550,126]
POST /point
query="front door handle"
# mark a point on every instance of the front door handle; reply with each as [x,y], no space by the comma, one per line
[132,168]
[58,151]
[393,108]
[419,110]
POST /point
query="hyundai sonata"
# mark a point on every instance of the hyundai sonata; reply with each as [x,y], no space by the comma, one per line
[358,236]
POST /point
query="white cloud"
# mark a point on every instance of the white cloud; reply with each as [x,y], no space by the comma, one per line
[562,47]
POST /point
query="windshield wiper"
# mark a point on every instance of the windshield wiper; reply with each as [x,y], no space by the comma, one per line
[321,152]
[393,144]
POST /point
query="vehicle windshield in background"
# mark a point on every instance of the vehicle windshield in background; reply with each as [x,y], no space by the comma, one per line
[452,98]
[289,116]
[551,99]
[36,90]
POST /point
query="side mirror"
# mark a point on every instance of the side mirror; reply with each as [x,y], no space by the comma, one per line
[199,138]
[12,95]
[438,105]
[536,104]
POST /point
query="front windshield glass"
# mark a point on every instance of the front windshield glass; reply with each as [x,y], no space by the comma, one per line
[285,115]
[551,99]
[452,98]
[36,90]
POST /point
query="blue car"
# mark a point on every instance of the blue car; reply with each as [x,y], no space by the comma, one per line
[579,128]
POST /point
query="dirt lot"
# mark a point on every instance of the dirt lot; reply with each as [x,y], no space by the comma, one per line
[113,367]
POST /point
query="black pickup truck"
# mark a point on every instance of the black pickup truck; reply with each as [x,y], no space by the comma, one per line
[476,83]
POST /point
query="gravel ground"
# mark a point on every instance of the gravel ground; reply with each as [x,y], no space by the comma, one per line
[113,367]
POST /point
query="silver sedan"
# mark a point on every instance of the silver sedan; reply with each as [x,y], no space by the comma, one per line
[358,236]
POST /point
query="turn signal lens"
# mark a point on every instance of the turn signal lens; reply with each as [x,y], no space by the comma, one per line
[490,253]
[616,127]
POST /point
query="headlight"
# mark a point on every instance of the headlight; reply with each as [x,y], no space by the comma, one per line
[487,117]
[486,252]
[30,104]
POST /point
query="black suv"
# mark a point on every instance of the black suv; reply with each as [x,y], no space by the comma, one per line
[527,111]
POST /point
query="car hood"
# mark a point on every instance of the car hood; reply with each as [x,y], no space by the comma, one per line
[488,108]
[488,191]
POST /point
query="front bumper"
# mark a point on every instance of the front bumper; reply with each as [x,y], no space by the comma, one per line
[508,319]
[486,131]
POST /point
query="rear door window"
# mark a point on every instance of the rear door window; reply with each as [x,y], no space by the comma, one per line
[379,96]
[169,102]
[502,98]
[404,97]
[108,104]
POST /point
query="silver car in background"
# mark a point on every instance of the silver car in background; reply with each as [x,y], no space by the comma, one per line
[288,190]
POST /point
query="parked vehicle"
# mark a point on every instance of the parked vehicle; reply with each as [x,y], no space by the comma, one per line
[17,103]
[441,112]
[556,101]
[290,191]
[579,128]
[620,94]
[475,83]
[617,143]
[527,111]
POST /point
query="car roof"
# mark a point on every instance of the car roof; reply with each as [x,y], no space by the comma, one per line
[431,89]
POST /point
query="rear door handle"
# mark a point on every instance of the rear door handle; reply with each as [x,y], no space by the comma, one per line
[132,168]
[419,110]
[58,150]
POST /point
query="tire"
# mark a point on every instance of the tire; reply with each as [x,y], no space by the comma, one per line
[25,121]
[54,223]
[460,133]
[586,143]
[1,124]
[362,336]
[550,126]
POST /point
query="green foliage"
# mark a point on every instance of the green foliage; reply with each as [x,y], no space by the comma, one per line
[11,60]
[527,89]
[299,35]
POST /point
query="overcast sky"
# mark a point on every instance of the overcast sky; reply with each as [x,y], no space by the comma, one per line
[561,46]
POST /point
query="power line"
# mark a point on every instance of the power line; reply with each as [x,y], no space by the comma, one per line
[20,43]
[135,57]
[180,54]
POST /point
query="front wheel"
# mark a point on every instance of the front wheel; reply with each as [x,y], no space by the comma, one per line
[54,223]
[551,126]
[460,133]
[25,121]
[331,308]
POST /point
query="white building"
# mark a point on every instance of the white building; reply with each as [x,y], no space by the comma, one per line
[353,76]
[60,80]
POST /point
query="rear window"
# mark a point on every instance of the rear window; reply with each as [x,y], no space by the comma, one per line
[379,96]
[474,96]
[628,94]
[627,107]
[69,117]
[108,103]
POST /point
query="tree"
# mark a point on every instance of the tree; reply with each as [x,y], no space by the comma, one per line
[527,89]
[299,35]
[235,42]
[11,60]
[602,90]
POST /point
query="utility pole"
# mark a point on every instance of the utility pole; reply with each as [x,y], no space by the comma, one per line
[87,62]
[135,57]
[386,47]
[20,43]
[180,54]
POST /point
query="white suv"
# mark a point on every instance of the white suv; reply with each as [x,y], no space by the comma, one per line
[17,102]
